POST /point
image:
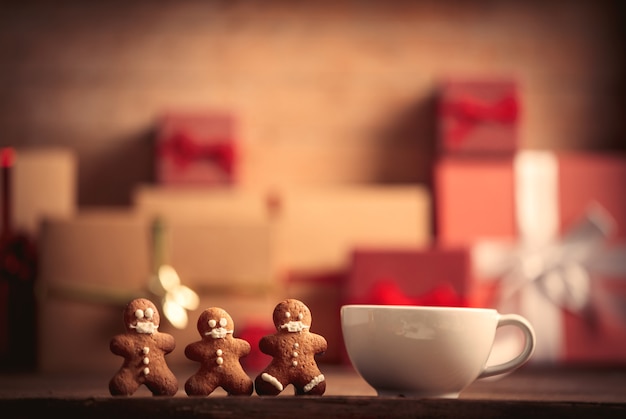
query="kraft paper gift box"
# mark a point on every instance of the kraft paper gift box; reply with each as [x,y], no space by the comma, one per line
[198,203]
[195,149]
[222,256]
[43,184]
[91,265]
[478,117]
[316,228]
[217,238]
[94,263]
[548,229]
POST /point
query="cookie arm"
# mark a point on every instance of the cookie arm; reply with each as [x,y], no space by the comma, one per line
[121,345]
[320,344]
[243,347]
[168,343]
[266,345]
[193,351]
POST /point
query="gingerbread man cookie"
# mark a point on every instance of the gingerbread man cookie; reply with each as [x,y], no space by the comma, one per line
[218,353]
[293,348]
[144,350]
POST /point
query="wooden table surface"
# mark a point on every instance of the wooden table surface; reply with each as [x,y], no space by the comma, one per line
[529,391]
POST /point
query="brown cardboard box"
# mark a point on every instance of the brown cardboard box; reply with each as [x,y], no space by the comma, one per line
[91,265]
[96,262]
[44,182]
[317,228]
[200,203]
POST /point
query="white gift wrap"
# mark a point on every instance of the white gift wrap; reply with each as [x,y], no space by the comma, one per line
[545,272]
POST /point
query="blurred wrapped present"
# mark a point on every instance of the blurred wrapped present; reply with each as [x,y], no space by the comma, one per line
[419,276]
[36,183]
[195,149]
[318,228]
[478,117]
[43,183]
[549,228]
[91,265]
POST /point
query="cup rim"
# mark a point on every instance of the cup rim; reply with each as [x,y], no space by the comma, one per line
[417,307]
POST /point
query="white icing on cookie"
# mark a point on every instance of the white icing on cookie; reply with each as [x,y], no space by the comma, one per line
[294,327]
[313,383]
[273,381]
[144,327]
[218,333]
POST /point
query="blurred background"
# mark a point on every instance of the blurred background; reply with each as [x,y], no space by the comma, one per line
[331,136]
[323,91]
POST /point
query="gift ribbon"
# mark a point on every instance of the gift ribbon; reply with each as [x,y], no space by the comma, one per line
[388,292]
[467,113]
[183,150]
[543,272]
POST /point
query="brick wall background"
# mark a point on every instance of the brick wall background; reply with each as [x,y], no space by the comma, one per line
[324,91]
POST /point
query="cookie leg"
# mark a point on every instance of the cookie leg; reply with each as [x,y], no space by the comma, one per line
[241,385]
[268,385]
[123,384]
[200,385]
[316,386]
[165,384]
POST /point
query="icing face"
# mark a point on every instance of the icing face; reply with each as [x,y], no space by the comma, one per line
[142,316]
[294,326]
[215,323]
[292,316]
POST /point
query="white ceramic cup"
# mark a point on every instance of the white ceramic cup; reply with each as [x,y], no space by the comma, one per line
[427,352]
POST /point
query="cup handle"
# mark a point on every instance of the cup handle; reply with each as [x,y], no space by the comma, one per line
[529,345]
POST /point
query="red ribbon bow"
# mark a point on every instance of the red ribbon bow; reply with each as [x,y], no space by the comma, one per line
[387,292]
[183,150]
[469,112]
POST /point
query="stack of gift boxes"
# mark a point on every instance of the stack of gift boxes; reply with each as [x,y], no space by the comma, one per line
[537,233]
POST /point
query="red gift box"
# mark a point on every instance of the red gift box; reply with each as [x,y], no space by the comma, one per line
[195,149]
[478,117]
[550,229]
[425,276]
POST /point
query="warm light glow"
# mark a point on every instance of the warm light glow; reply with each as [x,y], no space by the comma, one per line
[177,298]
[168,277]
[186,298]
[176,314]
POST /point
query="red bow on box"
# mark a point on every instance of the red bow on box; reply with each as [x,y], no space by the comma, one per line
[468,112]
[387,292]
[183,150]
